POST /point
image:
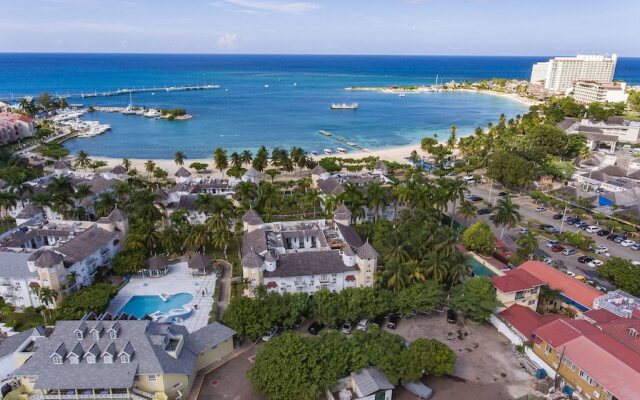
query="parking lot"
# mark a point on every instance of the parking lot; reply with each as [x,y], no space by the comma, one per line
[486,365]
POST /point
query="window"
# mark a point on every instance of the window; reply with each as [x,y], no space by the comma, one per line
[586,377]
[531,302]
[152,378]
[91,359]
[73,359]
[79,335]
[519,295]
[113,334]
[57,360]
[124,359]
[108,358]
[569,364]
[96,335]
[548,350]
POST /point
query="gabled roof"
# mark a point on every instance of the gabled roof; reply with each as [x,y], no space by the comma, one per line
[367,251]
[309,263]
[342,212]
[516,280]
[613,170]
[199,261]
[371,380]
[208,337]
[61,164]
[117,215]
[118,170]
[85,244]
[318,170]
[77,350]
[381,166]
[47,259]
[570,287]
[182,173]
[252,217]
[525,320]
[252,173]
[330,186]
[255,241]
[10,344]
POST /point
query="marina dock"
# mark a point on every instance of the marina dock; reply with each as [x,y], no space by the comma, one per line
[341,140]
[122,92]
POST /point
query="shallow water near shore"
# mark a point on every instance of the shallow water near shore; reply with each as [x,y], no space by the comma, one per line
[267,100]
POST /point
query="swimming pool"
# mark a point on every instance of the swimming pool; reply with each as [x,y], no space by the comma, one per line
[139,306]
[478,268]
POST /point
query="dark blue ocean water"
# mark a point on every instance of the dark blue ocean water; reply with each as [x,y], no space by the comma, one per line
[245,114]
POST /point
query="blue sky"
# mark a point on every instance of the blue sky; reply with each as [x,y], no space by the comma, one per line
[458,27]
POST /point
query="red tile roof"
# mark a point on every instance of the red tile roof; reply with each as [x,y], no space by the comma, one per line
[516,280]
[570,287]
[525,320]
[621,330]
[600,315]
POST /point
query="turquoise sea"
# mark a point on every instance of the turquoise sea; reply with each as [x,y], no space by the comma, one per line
[244,113]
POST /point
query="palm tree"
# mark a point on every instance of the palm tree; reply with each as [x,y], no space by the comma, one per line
[149,166]
[179,158]
[437,266]
[82,192]
[46,296]
[20,189]
[62,203]
[458,269]
[395,247]
[376,197]
[59,184]
[198,237]
[467,210]
[172,240]
[507,214]
[246,193]
[457,189]
[105,204]
[144,205]
[451,142]
[585,152]
[314,198]
[397,275]
[82,160]
[236,160]
[8,200]
[246,156]
[126,163]
[527,244]
[220,159]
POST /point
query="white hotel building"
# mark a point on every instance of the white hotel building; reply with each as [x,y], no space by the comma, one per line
[559,73]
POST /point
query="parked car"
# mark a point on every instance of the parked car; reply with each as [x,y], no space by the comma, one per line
[473,197]
[619,239]
[394,319]
[602,289]
[548,261]
[363,325]
[552,243]
[484,211]
[524,231]
[557,248]
[581,225]
[315,327]
[592,229]
[580,278]
[271,334]
[503,194]
[612,237]
[595,263]
[635,247]
[557,216]
[601,250]
[571,273]
[573,220]
[604,232]
[584,259]
[347,327]
[569,252]
[451,316]
[541,209]
[627,243]
[379,320]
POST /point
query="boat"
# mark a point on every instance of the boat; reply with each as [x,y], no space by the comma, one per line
[325,133]
[267,86]
[152,113]
[344,106]
[328,151]
[401,95]
[315,153]
[341,150]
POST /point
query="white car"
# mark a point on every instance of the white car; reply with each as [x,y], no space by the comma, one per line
[524,231]
[592,229]
[601,250]
[571,273]
[363,325]
[627,243]
[271,334]
[552,243]
[595,263]
[540,209]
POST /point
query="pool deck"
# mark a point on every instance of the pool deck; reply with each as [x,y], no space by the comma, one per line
[178,280]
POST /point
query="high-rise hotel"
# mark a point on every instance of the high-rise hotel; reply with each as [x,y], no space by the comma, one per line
[560,73]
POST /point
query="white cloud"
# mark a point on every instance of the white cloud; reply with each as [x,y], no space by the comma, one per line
[227,41]
[295,7]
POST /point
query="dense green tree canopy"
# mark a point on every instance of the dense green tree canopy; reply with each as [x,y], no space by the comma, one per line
[479,237]
[623,274]
[476,298]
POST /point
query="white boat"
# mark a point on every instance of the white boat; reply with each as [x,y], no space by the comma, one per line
[267,86]
[328,151]
[315,153]
[344,106]
[401,95]
[152,113]
[341,150]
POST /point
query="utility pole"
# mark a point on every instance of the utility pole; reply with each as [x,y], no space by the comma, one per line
[564,215]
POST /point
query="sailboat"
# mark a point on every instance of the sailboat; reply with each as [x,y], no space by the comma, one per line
[129,110]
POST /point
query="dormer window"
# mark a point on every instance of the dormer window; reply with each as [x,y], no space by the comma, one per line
[91,359]
[113,334]
[73,359]
[96,335]
[124,359]
[107,358]
[57,359]
[79,335]
[633,332]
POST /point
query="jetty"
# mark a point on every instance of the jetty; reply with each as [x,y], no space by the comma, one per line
[122,92]
[341,140]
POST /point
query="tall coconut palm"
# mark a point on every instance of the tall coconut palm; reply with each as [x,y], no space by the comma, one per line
[197,238]
[246,193]
[179,158]
[397,275]
[220,159]
[376,198]
[458,269]
[82,160]
[507,214]
[149,166]
[527,244]
[437,266]
[144,205]
[246,156]
[457,190]
[126,163]
[8,200]
[105,204]
[467,210]
[83,191]
[395,247]
[314,198]
[236,160]
[452,140]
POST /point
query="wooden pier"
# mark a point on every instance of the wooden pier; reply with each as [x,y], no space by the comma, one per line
[122,92]
[341,140]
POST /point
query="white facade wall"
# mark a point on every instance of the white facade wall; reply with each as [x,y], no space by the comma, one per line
[563,71]
[539,72]
[590,92]
[17,293]
[312,283]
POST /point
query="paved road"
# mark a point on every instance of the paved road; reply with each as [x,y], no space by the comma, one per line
[528,212]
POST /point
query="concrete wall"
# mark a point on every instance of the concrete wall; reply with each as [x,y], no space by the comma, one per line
[209,357]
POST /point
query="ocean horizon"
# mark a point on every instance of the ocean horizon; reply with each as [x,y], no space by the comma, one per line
[271,100]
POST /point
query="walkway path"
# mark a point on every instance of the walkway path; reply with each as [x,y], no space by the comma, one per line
[224,297]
